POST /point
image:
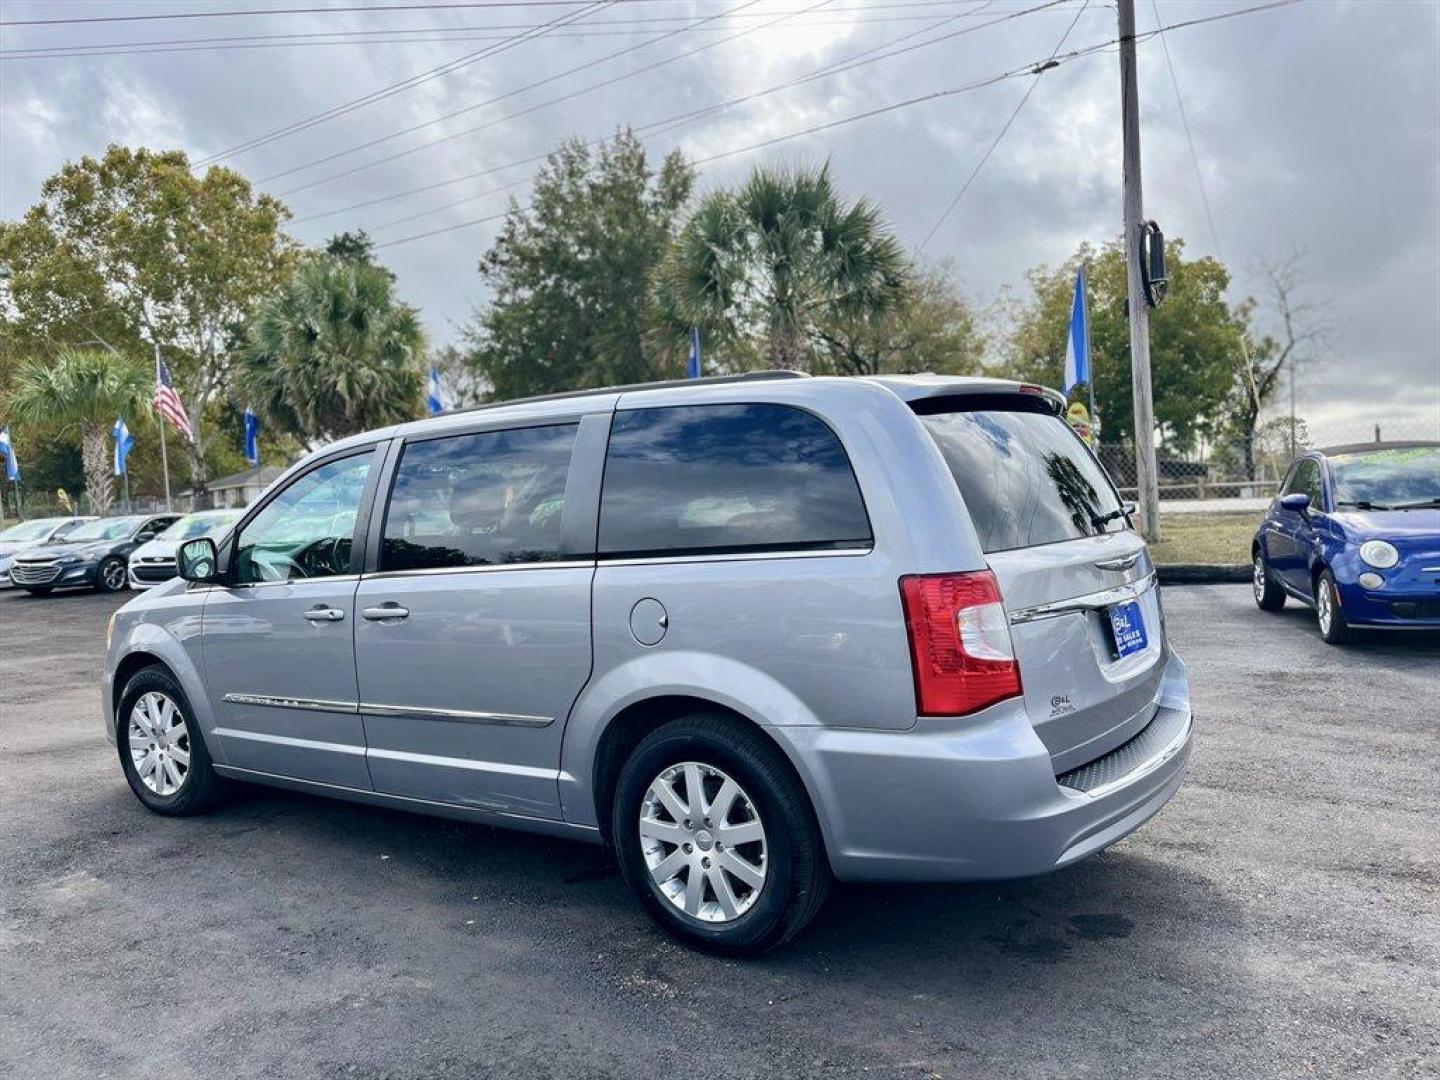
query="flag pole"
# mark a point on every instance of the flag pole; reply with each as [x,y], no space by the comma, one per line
[1090,364]
[164,455]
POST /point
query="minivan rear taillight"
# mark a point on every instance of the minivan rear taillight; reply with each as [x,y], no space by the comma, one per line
[960,642]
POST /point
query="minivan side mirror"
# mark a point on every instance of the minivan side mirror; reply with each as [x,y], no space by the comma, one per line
[1298,502]
[198,560]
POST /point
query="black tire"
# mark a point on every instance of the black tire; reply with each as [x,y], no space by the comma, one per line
[38,590]
[1334,630]
[1269,596]
[110,575]
[797,874]
[201,788]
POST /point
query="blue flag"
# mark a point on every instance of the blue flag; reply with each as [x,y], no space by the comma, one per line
[12,467]
[1077,345]
[123,442]
[433,401]
[252,438]
[693,370]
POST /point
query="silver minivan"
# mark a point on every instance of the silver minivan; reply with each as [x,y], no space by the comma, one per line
[751,632]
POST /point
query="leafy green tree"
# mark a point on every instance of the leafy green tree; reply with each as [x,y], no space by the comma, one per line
[931,329]
[572,272]
[83,391]
[778,261]
[332,353]
[354,246]
[1194,341]
[133,250]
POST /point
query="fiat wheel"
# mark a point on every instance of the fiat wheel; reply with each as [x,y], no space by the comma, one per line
[1269,596]
[1334,627]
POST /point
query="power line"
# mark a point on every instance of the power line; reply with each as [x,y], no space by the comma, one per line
[366,8]
[555,101]
[850,63]
[811,130]
[1189,139]
[1028,69]
[1000,135]
[382,35]
[523,89]
[408,83]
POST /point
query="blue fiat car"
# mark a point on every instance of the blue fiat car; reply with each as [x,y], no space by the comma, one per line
[1355,533]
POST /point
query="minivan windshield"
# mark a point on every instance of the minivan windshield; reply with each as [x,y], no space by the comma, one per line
[1026,478]
[1393,478]
[104,529]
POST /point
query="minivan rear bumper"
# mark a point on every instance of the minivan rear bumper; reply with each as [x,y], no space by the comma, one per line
[977,798]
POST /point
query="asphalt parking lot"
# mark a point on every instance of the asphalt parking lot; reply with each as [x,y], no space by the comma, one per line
[1281,918]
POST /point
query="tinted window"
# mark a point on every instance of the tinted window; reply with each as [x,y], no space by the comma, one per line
[306,531]
[714,478]
[1025,477]
[479,500]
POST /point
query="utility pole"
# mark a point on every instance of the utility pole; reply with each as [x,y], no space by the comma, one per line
[1146,471]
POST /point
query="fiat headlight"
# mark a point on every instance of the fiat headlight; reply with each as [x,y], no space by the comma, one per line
[1379,554]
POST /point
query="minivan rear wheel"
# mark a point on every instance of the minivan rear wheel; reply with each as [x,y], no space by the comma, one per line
[162,750]
[716,836]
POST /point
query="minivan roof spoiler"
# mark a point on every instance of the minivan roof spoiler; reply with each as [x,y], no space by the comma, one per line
[661,384]
[914,389]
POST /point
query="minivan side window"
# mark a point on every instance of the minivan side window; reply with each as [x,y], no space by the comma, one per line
[484,499]
[306,531]
[702,479]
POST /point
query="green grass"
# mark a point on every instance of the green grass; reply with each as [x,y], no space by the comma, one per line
[1210,539]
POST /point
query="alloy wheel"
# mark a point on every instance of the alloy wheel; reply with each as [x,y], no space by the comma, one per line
[1259,578]
[1324,606]
[703,842]
[113,575]
[159,743]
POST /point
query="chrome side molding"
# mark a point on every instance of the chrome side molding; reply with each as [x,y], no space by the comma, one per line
[270,701]
[413,712]
[464,716]
[1089,602]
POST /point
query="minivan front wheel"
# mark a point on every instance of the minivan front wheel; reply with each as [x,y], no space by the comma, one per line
[716,837]
[161,749]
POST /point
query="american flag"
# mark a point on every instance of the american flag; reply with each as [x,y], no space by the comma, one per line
[167,402]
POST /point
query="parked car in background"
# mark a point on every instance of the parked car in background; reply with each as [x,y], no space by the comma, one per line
[750,631]
[1355,533]
[153,562]
[31,534]
[92,555]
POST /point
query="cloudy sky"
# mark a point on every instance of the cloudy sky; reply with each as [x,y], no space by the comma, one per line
[1317,129]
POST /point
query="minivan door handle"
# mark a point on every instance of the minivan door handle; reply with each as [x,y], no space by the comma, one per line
[321,613]
[386,611]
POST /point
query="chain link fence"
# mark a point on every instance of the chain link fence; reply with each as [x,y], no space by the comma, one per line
[1243,472]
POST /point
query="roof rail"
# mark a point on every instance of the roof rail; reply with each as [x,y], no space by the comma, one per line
[709,380]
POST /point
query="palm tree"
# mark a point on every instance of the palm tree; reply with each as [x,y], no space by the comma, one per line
[333,353]
[84,391]
[779,258]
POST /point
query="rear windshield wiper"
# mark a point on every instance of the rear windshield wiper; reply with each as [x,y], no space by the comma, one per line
[1124,510]
[1421,505]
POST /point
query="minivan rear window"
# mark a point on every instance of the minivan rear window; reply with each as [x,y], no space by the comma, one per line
[1026,478]
[700,479]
